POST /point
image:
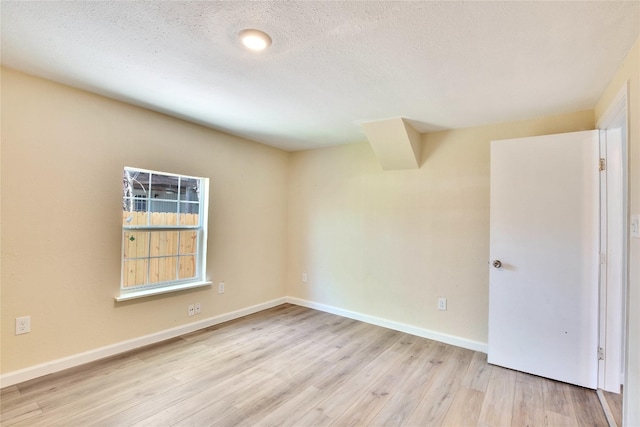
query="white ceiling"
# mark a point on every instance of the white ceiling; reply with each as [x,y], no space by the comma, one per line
[332,65]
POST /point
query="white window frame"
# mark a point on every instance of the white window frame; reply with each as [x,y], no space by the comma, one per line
[200,278]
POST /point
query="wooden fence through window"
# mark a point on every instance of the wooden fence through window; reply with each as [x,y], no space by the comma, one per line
[152,257]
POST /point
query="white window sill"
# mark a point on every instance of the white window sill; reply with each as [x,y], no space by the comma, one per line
[125,296]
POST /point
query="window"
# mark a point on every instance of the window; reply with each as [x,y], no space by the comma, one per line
[163,232]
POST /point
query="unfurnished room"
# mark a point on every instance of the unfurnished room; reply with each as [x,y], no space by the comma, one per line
[306,213]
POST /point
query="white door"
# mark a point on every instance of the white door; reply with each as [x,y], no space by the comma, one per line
[543,300]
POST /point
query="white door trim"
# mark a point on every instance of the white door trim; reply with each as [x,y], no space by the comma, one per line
[615,117]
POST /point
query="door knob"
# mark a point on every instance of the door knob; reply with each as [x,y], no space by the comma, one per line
[497,263]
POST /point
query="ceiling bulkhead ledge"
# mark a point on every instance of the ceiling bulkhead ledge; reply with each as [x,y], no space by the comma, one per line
[396,143]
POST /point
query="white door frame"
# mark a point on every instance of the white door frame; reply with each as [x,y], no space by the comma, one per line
[613,311]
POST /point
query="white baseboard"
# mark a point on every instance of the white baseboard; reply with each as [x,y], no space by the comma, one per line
[397,326]
[42,369]
[47,368]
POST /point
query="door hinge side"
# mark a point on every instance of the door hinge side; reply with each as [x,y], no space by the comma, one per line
[600,353]
[601,165]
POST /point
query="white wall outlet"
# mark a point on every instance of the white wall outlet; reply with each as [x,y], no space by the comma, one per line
[198,308]
[191,310]
[23,325]
[442,304]
[221,288]
[304,278]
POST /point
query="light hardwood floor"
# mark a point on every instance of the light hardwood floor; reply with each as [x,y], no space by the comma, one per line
[614,400]
[293,366]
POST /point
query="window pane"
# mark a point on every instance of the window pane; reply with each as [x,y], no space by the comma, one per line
[134,272]
[188,242]
[163,199]
[136,244]
[134,203]
[159,204]
[140,181]
[162,269]
[135,196]
[134,218]
[189,214]
[164,218]
[134,182]
[189,189]
[164,187]
[187,267]
[164,243]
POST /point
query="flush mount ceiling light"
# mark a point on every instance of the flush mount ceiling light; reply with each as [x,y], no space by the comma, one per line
[254,39]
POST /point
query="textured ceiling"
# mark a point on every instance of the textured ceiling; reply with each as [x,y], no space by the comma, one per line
[332,65]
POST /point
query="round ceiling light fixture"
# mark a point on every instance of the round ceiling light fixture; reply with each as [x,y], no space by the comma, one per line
[255,39]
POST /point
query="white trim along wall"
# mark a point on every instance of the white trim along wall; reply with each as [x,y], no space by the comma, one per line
[43,369]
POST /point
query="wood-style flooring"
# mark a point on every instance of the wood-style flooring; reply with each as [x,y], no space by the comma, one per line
[293,366]
[614,400]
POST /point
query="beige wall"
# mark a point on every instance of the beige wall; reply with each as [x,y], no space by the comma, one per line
[63,151]
[389,243]
[629,74]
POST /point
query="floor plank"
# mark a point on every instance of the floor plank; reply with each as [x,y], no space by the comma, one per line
[293,366]
[374,398]
[559,410]
[478,374]
[465,408]
[497,406]
[20,413]
[327,408]
[441,389]
[528,401]
[588,409]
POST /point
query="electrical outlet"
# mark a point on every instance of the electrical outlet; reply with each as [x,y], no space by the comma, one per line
[197,308]
[191,310]
[442,304]
[304,277]
[221,288]
[23,325]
